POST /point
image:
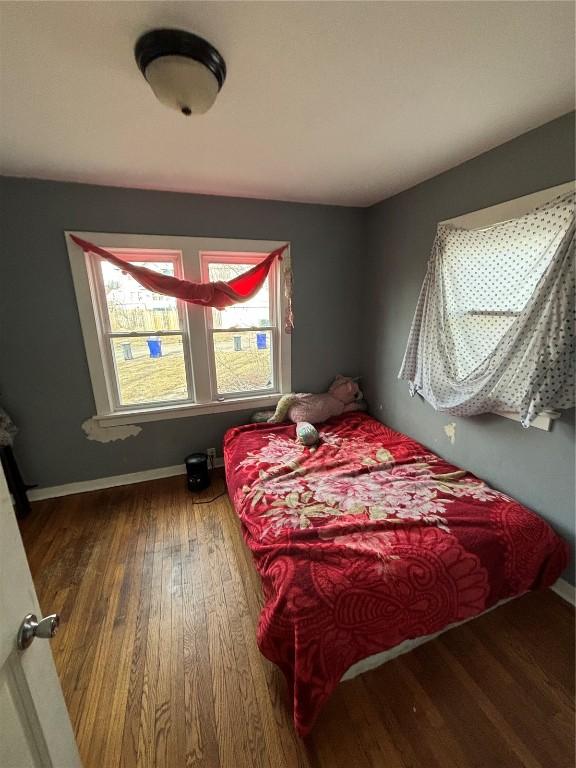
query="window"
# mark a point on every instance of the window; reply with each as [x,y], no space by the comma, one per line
[143,333]
[241,338]
[489,278]
[153,356]
[491,330]
[485,292]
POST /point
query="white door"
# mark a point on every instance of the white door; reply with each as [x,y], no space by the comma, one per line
[35,729]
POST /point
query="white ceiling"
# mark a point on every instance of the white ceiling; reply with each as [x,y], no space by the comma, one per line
[334,102]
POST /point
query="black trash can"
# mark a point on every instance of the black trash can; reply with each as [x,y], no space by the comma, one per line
[197,472]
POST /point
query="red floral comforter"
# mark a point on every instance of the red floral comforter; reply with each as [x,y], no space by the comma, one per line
[370,540]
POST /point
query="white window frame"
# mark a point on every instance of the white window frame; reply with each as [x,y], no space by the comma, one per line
[250,259]
[106,333]
[195,325]
[487,217]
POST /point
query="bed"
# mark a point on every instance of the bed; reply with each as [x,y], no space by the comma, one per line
[369,544]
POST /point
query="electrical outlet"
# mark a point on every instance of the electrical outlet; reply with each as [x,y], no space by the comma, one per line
[211,453]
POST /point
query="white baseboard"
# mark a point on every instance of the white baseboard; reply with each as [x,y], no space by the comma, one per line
[84,486]
[565,590]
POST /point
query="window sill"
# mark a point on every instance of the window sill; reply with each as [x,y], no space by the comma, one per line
[543,421]
[123,418]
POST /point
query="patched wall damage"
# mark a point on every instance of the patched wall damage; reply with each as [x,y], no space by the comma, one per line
[94,431]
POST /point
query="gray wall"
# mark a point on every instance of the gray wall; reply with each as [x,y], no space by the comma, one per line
[534,466]
[44,381]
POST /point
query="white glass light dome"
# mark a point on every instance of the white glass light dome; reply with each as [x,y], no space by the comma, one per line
[182,84]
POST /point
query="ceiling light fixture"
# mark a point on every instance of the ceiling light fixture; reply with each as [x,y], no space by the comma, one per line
[184,70]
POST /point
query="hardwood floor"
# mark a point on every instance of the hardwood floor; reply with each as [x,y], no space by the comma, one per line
[159,664]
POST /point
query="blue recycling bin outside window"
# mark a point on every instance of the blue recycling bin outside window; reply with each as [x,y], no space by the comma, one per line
[155,347]
[261,341]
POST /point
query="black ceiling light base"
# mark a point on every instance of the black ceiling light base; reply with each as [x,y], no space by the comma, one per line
[176,42]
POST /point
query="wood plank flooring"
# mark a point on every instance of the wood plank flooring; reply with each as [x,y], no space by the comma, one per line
[159,665]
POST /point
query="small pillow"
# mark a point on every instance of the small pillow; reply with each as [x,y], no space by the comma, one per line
[306,433]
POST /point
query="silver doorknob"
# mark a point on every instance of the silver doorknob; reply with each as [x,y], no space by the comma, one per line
[31,628]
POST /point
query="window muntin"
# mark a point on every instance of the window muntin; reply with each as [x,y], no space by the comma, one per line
[143,333]
[242,339]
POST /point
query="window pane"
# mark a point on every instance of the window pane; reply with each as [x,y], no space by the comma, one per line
[488,277]
[150,370]
[243,361]
[132,307]
[249,314]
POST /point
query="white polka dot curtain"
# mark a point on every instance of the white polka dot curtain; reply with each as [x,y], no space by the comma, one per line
[494,328]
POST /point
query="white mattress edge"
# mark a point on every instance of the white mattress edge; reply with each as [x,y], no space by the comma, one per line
[377,659]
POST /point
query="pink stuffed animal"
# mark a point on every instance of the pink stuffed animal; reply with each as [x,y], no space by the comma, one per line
[343,396]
